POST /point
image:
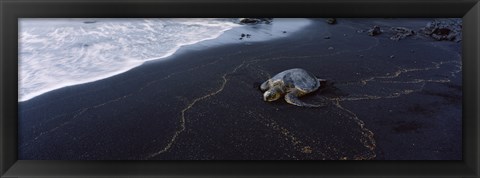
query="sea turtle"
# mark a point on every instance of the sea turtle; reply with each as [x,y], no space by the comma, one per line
[292,83]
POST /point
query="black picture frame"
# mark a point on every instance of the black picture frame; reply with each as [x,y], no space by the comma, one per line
[11,10]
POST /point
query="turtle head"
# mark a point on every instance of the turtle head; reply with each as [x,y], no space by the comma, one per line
[272,94]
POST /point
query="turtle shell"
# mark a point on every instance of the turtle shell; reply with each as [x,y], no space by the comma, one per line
[298,78]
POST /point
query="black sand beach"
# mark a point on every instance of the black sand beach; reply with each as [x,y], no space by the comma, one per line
[386,100]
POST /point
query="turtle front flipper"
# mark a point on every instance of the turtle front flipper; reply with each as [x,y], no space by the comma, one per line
[292,98]
[265,85]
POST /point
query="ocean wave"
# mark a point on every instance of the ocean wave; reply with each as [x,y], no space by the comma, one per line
[55,53]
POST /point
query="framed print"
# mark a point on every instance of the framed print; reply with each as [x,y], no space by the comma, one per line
[207,88]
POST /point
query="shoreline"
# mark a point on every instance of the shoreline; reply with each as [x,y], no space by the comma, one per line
[228,36]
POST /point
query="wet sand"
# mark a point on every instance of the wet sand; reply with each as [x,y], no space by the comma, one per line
[205,104]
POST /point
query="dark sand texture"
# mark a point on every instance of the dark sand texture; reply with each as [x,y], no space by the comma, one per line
[204,105]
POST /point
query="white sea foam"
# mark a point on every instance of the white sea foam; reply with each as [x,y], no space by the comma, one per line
[55,53]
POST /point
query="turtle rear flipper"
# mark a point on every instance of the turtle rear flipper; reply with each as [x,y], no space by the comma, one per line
[292,98]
